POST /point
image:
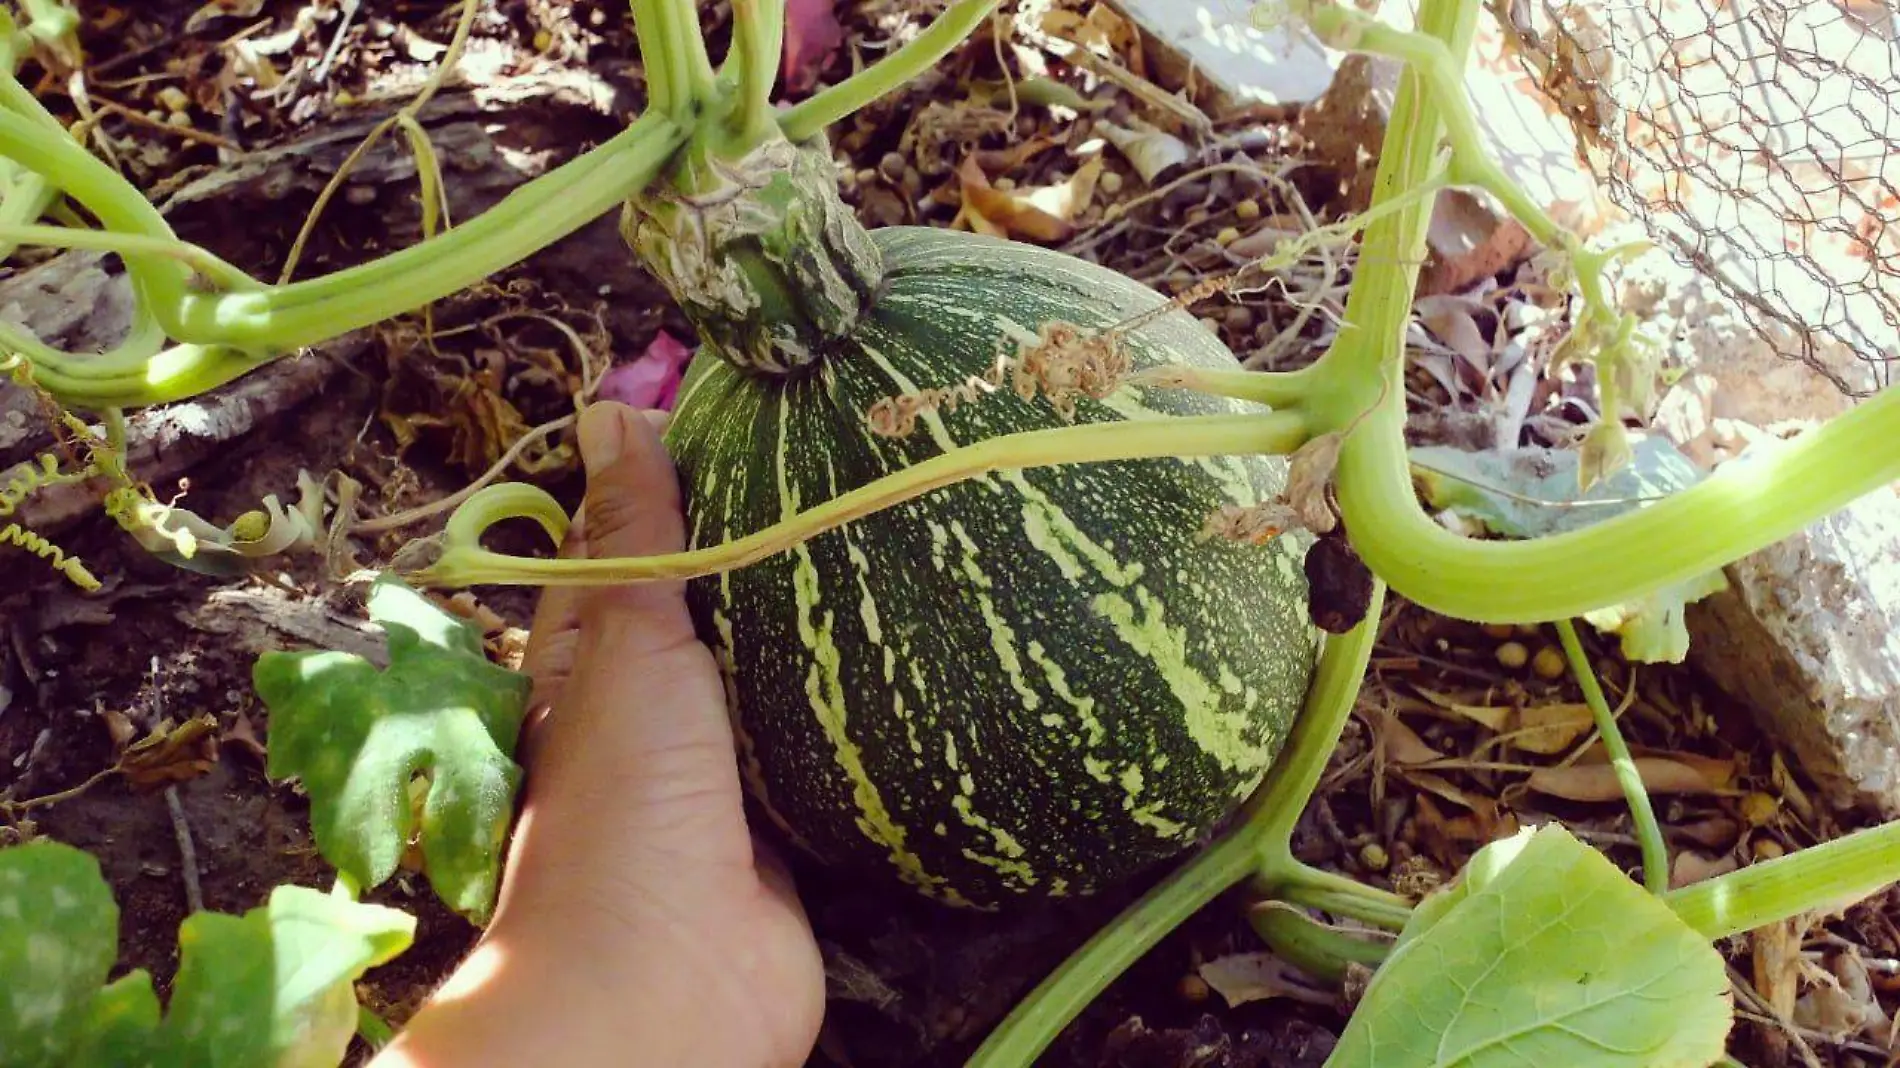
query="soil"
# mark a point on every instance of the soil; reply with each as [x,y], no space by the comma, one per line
[912,984]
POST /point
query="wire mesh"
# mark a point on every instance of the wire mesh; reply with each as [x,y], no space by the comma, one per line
[1758,140]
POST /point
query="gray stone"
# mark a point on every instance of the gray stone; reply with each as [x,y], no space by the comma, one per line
[1807,638]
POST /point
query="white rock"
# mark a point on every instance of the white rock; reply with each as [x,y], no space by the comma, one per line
[1244,64]
[1807,637]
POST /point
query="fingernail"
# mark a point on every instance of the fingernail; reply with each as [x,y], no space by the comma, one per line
[603,435]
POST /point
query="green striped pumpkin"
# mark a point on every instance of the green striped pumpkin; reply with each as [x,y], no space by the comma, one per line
[1035,683]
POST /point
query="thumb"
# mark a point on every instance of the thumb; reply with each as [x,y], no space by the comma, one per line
[640,728]
[632,508]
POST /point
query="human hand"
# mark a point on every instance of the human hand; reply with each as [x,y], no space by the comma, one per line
[639,922]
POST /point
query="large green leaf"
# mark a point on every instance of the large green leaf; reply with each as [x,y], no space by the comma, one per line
[122,1029]
[1532,493]
[59,934]
[357,736]
[273,987]
[1542,954]
[270,989]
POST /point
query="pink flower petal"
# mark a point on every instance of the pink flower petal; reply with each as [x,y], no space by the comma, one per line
[652,380]
[812,34]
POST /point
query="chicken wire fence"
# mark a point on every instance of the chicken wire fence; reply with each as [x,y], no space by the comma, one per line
[1759,141]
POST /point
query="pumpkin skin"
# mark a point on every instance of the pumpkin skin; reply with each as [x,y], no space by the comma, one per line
[1035,683]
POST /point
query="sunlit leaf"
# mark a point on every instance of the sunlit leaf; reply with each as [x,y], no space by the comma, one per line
[274,986]
[1543,953]
[357,737]
[1654,629]
[270,989]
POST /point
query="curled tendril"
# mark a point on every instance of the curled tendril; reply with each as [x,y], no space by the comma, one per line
[22,482]
[456,556]
[56,557]
[42,472]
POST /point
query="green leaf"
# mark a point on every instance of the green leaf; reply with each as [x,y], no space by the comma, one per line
[1532,493]
[270,989]
[122,1028]
[274,987]
[357,737]
[59,935]
[1543,953]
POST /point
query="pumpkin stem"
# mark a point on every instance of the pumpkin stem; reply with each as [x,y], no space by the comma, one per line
[758,39]
[673,52]
[761,253]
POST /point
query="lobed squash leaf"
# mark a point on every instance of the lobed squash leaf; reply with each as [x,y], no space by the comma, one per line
[272,988]
[359,737]
[121,1027]
[1530,493]
[1543,953]
[58,940]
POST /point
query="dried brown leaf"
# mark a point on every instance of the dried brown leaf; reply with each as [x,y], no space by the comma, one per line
[1440,367]
[1102,31]
[172,754]
[1597,782]
[1264,240]
[1044,213]
[119,728]
[1442,787]
[218,9]
[1451,321]
[1153,152]
[1721,771]
[1243,977]
[1547,729]
[1004,160]
[1842,1003]
[1309,476]
[1498,719]
[1399,744]
[1693,867]
[1717,832]
[1791,792]
[243,734]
